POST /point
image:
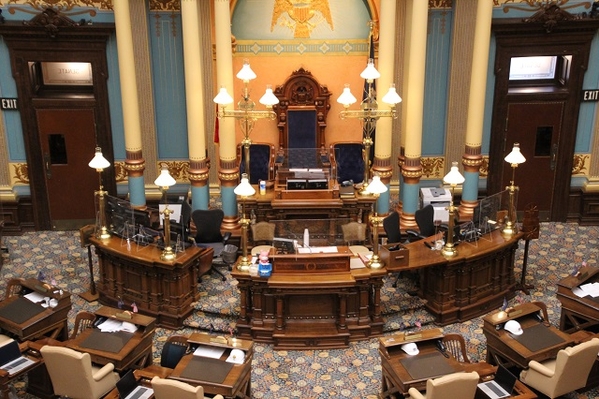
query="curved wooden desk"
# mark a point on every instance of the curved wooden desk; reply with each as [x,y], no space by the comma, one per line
[163,290]
[469,284]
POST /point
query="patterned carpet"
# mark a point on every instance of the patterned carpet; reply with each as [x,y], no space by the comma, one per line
[350,373]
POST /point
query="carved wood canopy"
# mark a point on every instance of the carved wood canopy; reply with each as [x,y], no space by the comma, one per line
[304,100]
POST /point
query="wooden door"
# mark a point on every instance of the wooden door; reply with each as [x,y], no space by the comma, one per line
[70,182]
[537,127]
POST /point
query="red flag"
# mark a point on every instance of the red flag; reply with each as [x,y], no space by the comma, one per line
[216,138]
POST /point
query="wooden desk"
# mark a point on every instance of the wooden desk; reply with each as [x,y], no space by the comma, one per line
[578,313]
[49,321]
[503,348]
[270,207]
[469,284]
[397,379]
[311,308]
[237,383]
[163,290]
[136,353]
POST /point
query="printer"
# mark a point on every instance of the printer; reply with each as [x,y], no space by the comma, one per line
[439,198]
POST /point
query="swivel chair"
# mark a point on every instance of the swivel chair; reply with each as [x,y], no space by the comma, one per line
[208,234]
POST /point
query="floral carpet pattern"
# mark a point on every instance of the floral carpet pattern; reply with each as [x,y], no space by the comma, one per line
[354,372]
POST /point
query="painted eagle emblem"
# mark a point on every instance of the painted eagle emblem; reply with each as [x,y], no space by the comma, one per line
[301,16]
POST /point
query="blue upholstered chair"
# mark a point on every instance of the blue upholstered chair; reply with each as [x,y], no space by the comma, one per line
[262,157]
[348,162]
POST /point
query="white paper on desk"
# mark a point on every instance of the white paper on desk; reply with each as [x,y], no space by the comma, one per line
[110,325]
[356,263]
[579,292]
[318,250]
[34,297]
[591,289]
[209,351]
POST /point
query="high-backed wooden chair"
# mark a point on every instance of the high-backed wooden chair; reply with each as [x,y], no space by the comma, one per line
[13,287]
[302,111]
[83,321]
[456,346]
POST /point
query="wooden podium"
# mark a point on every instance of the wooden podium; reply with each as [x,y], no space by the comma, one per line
[303,306]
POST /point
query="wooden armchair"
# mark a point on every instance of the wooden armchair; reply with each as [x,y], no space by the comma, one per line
[83,321]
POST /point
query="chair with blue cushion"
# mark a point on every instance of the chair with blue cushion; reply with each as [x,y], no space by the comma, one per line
[348,161]
[262,159]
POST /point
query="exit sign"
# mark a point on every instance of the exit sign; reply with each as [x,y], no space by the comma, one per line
[590,95]
[8,103]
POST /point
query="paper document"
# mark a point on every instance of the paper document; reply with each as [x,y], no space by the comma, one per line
[112,325]
[209,351]
[591,289]
[356,263]
[34,297]
[318,250]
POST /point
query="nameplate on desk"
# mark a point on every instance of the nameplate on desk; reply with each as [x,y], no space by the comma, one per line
[515,313]
[412,336]
[218,340]
[41,288]
[123,315]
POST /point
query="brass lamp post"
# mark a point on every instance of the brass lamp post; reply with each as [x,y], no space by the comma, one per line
[164,181]
[369,112]
[453,178]
[99,163]
[244,190]
[514,158]
[376,188]
[246,115]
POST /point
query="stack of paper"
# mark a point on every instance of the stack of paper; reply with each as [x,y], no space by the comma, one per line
[112,325]
[209,351]
[590,289]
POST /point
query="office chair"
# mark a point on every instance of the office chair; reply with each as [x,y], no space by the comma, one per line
[180,231]
[173,350]
[391,226]
[566,373]
[456,385]
[83,321]
[67,366]
[166,388]
[208,234]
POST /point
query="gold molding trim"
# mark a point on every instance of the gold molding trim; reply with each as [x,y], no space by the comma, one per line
[432,167]
[21,173]
[179,170]
[580,164]
[120,172]
[64,6]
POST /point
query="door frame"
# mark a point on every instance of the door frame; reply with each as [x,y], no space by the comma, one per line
[535,36]
[61,41]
